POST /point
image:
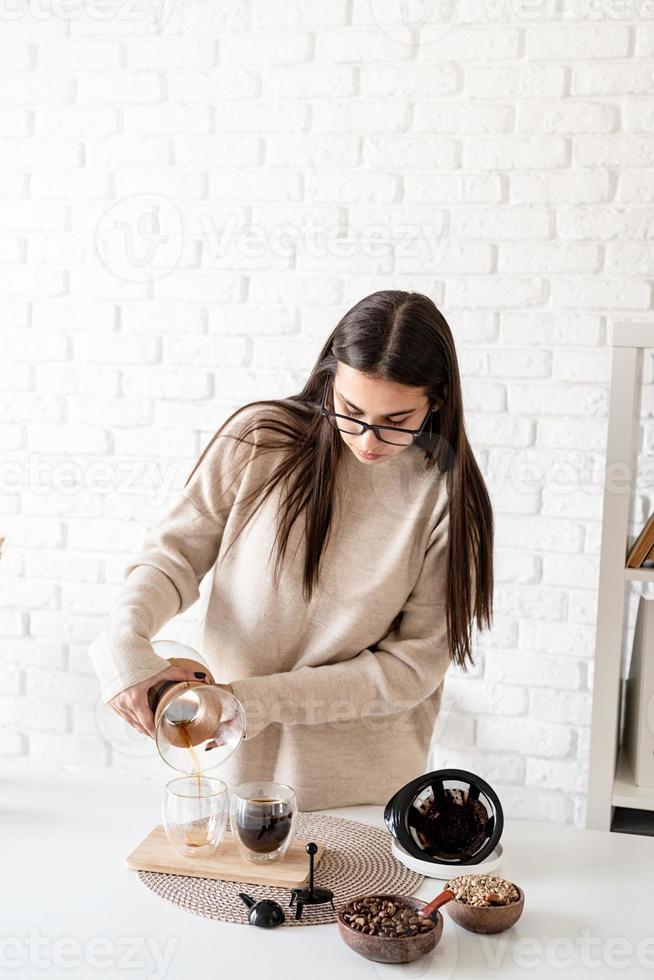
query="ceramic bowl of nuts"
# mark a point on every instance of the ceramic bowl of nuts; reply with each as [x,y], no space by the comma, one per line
[387,928]
[485,903]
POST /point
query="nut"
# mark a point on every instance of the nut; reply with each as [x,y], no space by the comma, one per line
[483,891]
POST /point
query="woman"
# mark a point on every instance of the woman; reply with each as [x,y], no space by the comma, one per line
[365,491]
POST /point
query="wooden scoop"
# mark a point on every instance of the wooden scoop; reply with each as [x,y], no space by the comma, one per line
[445,896]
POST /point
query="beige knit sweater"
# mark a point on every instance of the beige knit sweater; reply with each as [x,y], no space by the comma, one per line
[340,701]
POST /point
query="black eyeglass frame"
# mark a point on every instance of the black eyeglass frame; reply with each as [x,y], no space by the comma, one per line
[415,433]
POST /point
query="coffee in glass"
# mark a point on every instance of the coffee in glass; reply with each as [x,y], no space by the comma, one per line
[262,818]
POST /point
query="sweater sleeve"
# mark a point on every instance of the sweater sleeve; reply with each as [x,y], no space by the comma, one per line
[164,577]
[401,670]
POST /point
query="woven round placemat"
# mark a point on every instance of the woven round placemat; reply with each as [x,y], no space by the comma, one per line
[357,861]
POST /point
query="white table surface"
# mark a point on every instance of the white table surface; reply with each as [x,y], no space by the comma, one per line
[72,908]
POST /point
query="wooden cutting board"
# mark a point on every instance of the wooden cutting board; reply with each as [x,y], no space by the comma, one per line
[156,853]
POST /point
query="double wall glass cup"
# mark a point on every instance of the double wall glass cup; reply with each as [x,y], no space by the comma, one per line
[262,817]
[195,810]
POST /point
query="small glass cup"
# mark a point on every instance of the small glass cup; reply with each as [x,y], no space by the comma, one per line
[195,812]
[262,817]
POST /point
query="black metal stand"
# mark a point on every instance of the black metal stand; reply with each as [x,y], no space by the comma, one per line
[313,895]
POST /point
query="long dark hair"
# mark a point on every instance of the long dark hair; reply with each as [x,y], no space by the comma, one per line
[401,337]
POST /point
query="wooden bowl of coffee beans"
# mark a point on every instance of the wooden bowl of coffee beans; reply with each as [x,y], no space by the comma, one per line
[485,903]
[387,929]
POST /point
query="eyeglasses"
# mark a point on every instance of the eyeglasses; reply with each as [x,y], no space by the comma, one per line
[391,434]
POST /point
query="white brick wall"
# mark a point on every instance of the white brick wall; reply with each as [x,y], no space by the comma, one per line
[496,155]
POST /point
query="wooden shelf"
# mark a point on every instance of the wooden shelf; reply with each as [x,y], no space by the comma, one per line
[626,793]
[639,574]
[609,784]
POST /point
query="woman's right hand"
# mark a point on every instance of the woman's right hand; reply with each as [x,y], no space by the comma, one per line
[132,703]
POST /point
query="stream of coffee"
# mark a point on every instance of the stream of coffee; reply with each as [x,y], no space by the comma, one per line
[197,833]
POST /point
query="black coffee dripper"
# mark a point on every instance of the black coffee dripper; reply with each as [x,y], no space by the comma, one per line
[418,814]
[313,895]
[266,913]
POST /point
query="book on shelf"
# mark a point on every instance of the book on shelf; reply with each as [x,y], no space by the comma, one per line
[643,547]
[639,698]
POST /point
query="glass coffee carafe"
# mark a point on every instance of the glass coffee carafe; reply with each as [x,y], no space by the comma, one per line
[197,724]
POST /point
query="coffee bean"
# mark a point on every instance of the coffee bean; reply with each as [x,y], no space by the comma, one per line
[385,918]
